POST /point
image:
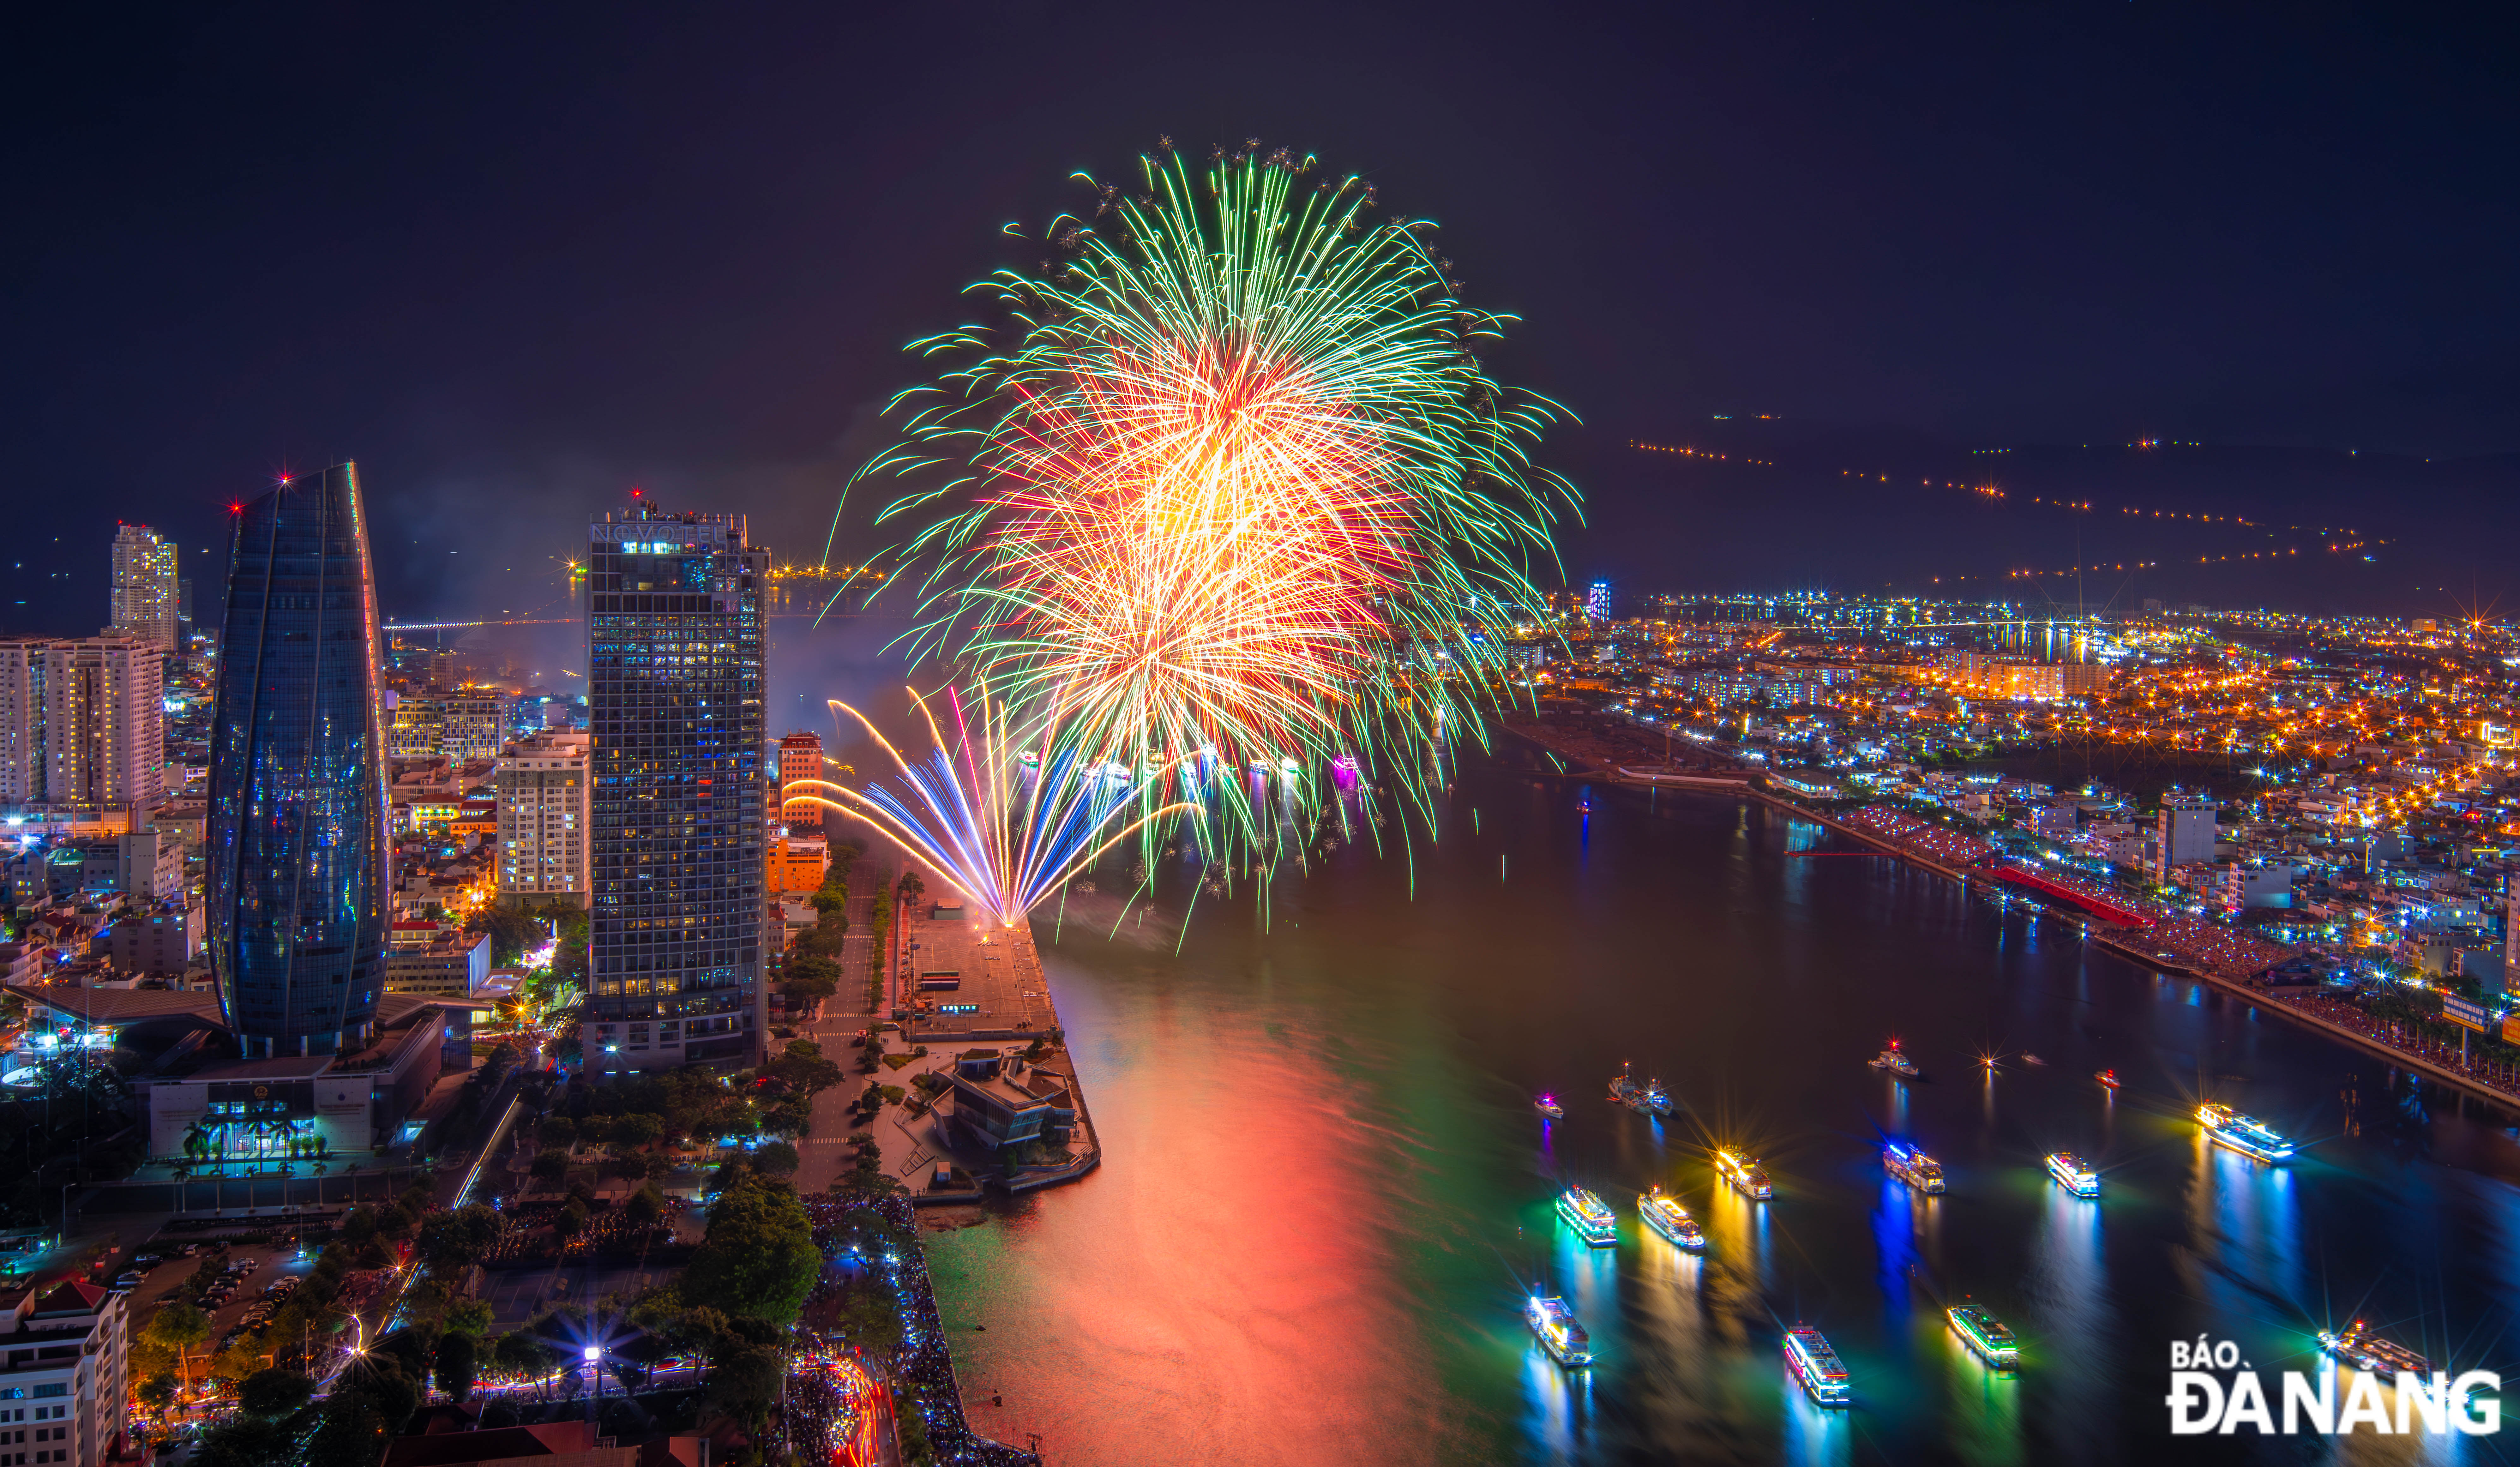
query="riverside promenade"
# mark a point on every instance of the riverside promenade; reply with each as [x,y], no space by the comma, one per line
[2127,942]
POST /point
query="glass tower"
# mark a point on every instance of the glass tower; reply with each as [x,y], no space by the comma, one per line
[675,698]
[297,827]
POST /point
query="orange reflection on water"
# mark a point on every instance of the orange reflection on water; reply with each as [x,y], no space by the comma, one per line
[1223,1282]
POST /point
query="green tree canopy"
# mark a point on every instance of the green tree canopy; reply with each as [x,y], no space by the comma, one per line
[457,1240]
[455,1363]
[758,1256]
[556,1130]
[273,1393]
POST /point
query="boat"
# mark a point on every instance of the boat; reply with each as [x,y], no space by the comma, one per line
[2243,1134]
[2077,1178]
[1895,1062]
[1590,1217]
[1646,1099]
[1559,1334]
[1548,1106]
[1665,1216]
[1744,1174]
[1990,1337]
[2108,1078]
[1912,1166]
[2029,1058]
[1817,1365]
[2360,1347]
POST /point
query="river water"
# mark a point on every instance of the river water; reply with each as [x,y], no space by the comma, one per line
[1325,1190]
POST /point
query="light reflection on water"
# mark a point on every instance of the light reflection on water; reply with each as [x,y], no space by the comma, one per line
[1325,1190]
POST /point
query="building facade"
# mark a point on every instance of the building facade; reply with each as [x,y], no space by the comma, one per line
[449,967]
[297,856]
[66,1373]
[148,595]
[800,757]
[675,697]
[544,817]
[2185,831]
[82,723]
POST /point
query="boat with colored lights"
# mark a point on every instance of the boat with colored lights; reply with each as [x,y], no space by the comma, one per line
[1558,1330]
[1912,1166]
[2243,1134]
[1893,1061]
[1590,1217]
[2108,1078]
[1985,1336]
[2074,1175]
[1548,1106]
[1646,1099]
[1817,1365]
[1742,1173]
[1665,1216]
[2360,1347]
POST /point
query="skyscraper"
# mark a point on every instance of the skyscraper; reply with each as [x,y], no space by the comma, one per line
[800,757]
[147,598]
[297,827]
[22,722]
[675,699]
[543,822]
[1596,602]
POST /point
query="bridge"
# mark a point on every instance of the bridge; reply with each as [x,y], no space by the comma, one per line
[2098,906]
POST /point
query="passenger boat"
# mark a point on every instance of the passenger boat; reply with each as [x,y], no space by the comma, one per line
[1590,1217]
[1817,1365]
[2029,1058]
[2243,1134]
[2360,1347]
[1555,1324]
[2108,1078]
[1990,1337]
[1548,1106]
[1912,1167]
[1895,1062]
[1744,1174]
[2077,1178]
[1646,1099]
[1665,1216]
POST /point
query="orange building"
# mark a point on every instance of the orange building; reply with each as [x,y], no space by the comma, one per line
[800,757]
[797,864]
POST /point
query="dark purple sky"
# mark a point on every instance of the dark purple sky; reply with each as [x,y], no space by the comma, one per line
[516,259]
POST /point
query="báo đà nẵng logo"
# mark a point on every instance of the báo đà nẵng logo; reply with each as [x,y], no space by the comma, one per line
[2376,1386]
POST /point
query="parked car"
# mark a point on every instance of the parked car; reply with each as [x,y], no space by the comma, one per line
[130,1280]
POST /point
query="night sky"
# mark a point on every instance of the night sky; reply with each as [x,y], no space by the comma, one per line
[517,260]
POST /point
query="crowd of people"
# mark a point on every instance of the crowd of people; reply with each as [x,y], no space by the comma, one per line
[2225,953]
[1935,844]
[2413,1041]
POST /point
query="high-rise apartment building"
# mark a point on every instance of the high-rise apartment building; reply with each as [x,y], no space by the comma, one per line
[22,722]
[544,819]
[296,822]
[800,757]
[148,595]
[1596,602]
[675,700]
[104,724]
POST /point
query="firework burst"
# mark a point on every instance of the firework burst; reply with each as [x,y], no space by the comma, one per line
[1004,826]
[1230,478]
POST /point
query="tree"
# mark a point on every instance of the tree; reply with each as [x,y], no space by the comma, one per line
[453,1241]
[469,1316]
[273,1393]
[637,1129]
[646,1205]
[758,1256]
[178,1326]
[511,933]
[776,1158]
[747,1380]
[246,1441]
[556,1130]
[158,1392]
[571,1221]
[455,1365]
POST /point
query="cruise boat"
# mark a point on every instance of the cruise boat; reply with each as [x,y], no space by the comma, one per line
[1912,1166]
[2107,1077]
[1817,1365]
[1646,1099]
[1743,1173]
[1548,1106]
[2243,1134]
[2077,1178]
[1895,1062]
[2360,1347]
[1665,1216]
[1990,1337]
[1589,1216]
[1555,1324]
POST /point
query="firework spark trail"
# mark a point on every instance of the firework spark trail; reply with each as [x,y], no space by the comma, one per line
[968,816]
[1240,485]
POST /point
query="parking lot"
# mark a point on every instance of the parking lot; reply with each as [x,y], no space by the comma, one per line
[251,1271]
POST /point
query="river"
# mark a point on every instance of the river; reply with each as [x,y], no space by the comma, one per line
[1325,1189]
